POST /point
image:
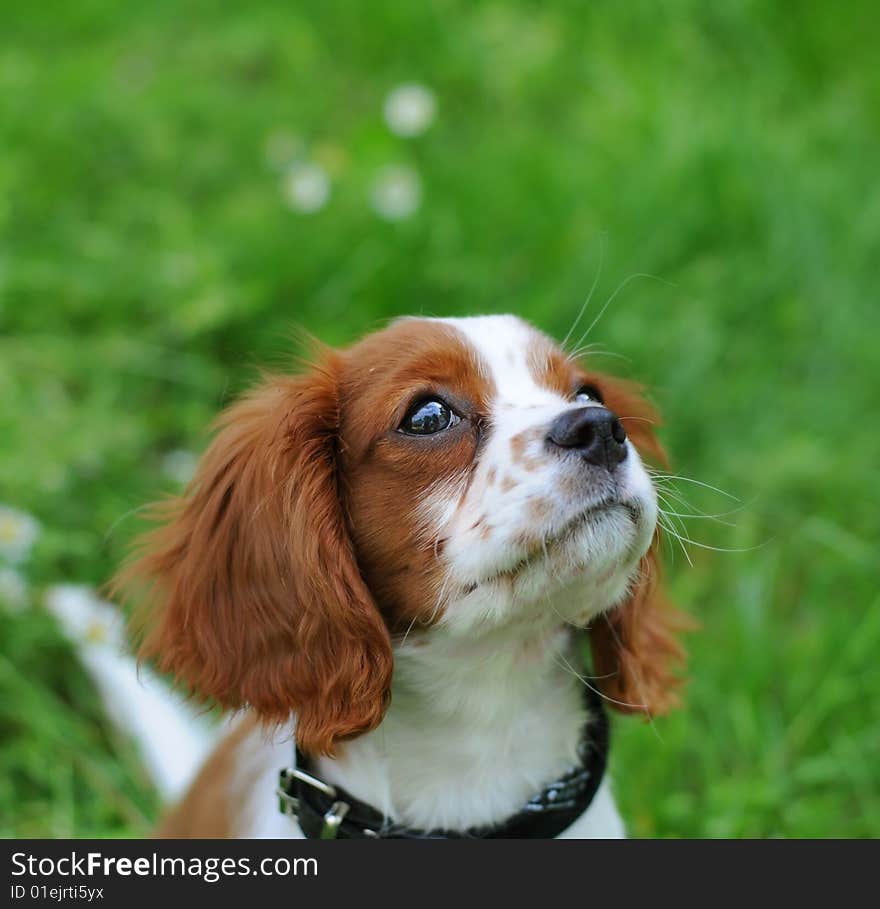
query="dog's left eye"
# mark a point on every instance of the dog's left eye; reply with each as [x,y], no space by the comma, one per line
[428,417]
[589,394]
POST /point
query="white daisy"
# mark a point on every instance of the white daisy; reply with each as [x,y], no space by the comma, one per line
[409,109]
[18,533]
[84,616]
[396,192]
[306,187]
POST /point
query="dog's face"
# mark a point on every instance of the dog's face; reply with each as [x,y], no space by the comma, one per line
[459,474]
[483,473]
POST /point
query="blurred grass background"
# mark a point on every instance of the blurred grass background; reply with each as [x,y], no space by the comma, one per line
[150,259]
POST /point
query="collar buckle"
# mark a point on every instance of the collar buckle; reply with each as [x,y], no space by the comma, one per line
[288,803]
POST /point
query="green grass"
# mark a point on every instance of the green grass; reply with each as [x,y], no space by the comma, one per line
[149,263]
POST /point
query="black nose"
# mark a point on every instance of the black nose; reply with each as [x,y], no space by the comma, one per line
[594,432]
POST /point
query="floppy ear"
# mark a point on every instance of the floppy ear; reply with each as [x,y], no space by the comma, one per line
[253,593]
[635,646]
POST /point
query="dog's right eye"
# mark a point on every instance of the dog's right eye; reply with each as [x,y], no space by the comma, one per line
[589,394]
[428,417]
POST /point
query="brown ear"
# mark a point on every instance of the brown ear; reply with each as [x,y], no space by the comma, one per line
[636,647]
[253,593]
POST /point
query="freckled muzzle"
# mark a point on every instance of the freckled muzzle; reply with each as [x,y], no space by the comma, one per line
[593,432]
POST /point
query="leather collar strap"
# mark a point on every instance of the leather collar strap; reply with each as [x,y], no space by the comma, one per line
[329,812]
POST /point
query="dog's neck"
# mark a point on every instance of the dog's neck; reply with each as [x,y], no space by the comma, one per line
[475,728]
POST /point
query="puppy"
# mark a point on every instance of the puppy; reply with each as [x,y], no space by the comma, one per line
[389,564]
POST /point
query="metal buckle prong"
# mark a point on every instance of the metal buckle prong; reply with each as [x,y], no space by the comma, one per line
[308,779]
[332,819]
[287,803]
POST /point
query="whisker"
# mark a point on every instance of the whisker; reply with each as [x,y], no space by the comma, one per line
[562,618]
[124,517]
[664,495]
[566,665]
[441,598]
[677,536]
[658,475]
[699,517]
[668,522]
[638,419]
[672,493]
[613,296]
[586,302]
[594,350]
[697,512]
[408,630]
[730,549]
[686,539]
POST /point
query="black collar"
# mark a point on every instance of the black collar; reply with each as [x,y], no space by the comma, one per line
[329,812]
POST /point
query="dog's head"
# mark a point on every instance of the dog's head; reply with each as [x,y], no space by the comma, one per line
[441,477]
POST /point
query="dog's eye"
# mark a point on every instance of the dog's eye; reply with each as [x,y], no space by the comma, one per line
[589,394]
[429,416]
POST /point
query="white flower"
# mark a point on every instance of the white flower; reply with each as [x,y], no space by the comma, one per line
[84,617]
[180,465]
[13,590]
[396,192]
[306,187]
[18,533]
[409,109]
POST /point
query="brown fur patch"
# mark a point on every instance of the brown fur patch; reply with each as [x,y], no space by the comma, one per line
[538,509]
[550,367]
[518,449]
[387,475]
[636,647]
[252,592]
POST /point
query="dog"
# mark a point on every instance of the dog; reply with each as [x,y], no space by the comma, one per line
[389,564]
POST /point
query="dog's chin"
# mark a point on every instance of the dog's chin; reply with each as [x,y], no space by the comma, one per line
[595,555]
[590,558]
